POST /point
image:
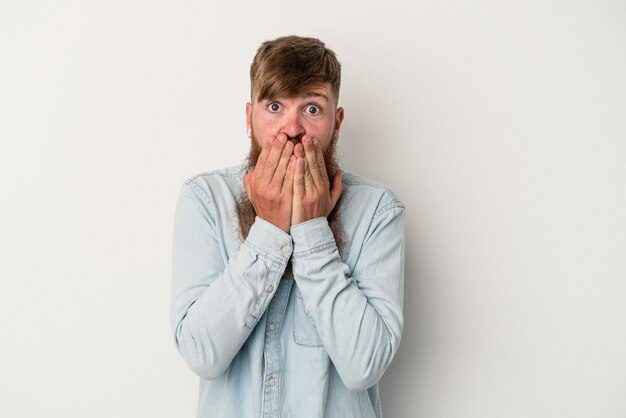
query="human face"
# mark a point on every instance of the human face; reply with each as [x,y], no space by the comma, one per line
[313,113]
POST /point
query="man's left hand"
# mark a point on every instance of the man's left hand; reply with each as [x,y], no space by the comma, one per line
[313,195]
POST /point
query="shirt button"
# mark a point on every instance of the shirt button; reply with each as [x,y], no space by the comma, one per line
[272,326]
[285,250]
[271,381]
[269,289]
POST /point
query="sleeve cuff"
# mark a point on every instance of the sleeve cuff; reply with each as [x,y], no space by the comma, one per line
[311,236]
[269,240]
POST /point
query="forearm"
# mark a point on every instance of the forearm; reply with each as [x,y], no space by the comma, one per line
[218,298]
[358,315]
[213,328]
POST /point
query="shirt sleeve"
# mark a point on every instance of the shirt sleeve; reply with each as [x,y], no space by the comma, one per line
[358,313]
[216,304]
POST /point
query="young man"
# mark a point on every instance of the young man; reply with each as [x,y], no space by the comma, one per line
[288,274]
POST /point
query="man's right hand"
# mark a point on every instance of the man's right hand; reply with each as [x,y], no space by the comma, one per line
[270,184]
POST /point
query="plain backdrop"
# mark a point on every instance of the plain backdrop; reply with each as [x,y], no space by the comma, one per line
[500,124]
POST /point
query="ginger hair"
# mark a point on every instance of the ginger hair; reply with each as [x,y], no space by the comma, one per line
[290,65]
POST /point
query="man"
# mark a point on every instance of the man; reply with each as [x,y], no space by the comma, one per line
[287,274]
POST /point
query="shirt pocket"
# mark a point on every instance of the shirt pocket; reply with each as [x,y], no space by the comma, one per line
[304,331]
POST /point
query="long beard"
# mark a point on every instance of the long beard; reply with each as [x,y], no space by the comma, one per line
[246,213]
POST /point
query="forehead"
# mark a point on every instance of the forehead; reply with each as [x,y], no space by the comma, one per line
[319,91]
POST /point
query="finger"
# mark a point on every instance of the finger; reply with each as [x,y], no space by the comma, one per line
[281,169]
[298,179]
[336,189]
[319,156]
[298,151]
[246,184]
[306,172]
[309,183]
[289,176]
[262,160]
[312,163]
[274,157]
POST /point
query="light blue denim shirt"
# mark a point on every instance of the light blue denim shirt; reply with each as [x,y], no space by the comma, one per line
[268,344]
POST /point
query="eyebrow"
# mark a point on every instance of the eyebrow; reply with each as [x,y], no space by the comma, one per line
[304,96]
[315,94]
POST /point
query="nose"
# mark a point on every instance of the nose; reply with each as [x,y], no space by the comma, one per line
[293,127]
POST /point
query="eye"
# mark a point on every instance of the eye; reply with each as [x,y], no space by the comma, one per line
[313,110]
[273,107]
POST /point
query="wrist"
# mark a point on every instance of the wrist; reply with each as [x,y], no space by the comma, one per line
[284,226]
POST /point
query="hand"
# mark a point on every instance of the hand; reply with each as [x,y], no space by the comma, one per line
[313,195]
[270,184]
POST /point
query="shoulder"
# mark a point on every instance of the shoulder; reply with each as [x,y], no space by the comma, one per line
[360,189]
[215,191]
[235,173]
[221,180]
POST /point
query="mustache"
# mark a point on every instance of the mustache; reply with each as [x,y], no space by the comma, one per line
[295,139]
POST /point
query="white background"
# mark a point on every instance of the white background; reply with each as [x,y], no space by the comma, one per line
[500,124]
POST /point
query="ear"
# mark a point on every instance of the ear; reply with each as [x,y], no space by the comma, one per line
[248,115]
[338,119]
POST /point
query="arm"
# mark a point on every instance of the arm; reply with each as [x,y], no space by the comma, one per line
[215,305]
[358,314]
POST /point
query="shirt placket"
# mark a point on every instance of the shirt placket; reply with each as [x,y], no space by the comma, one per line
[272,351]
